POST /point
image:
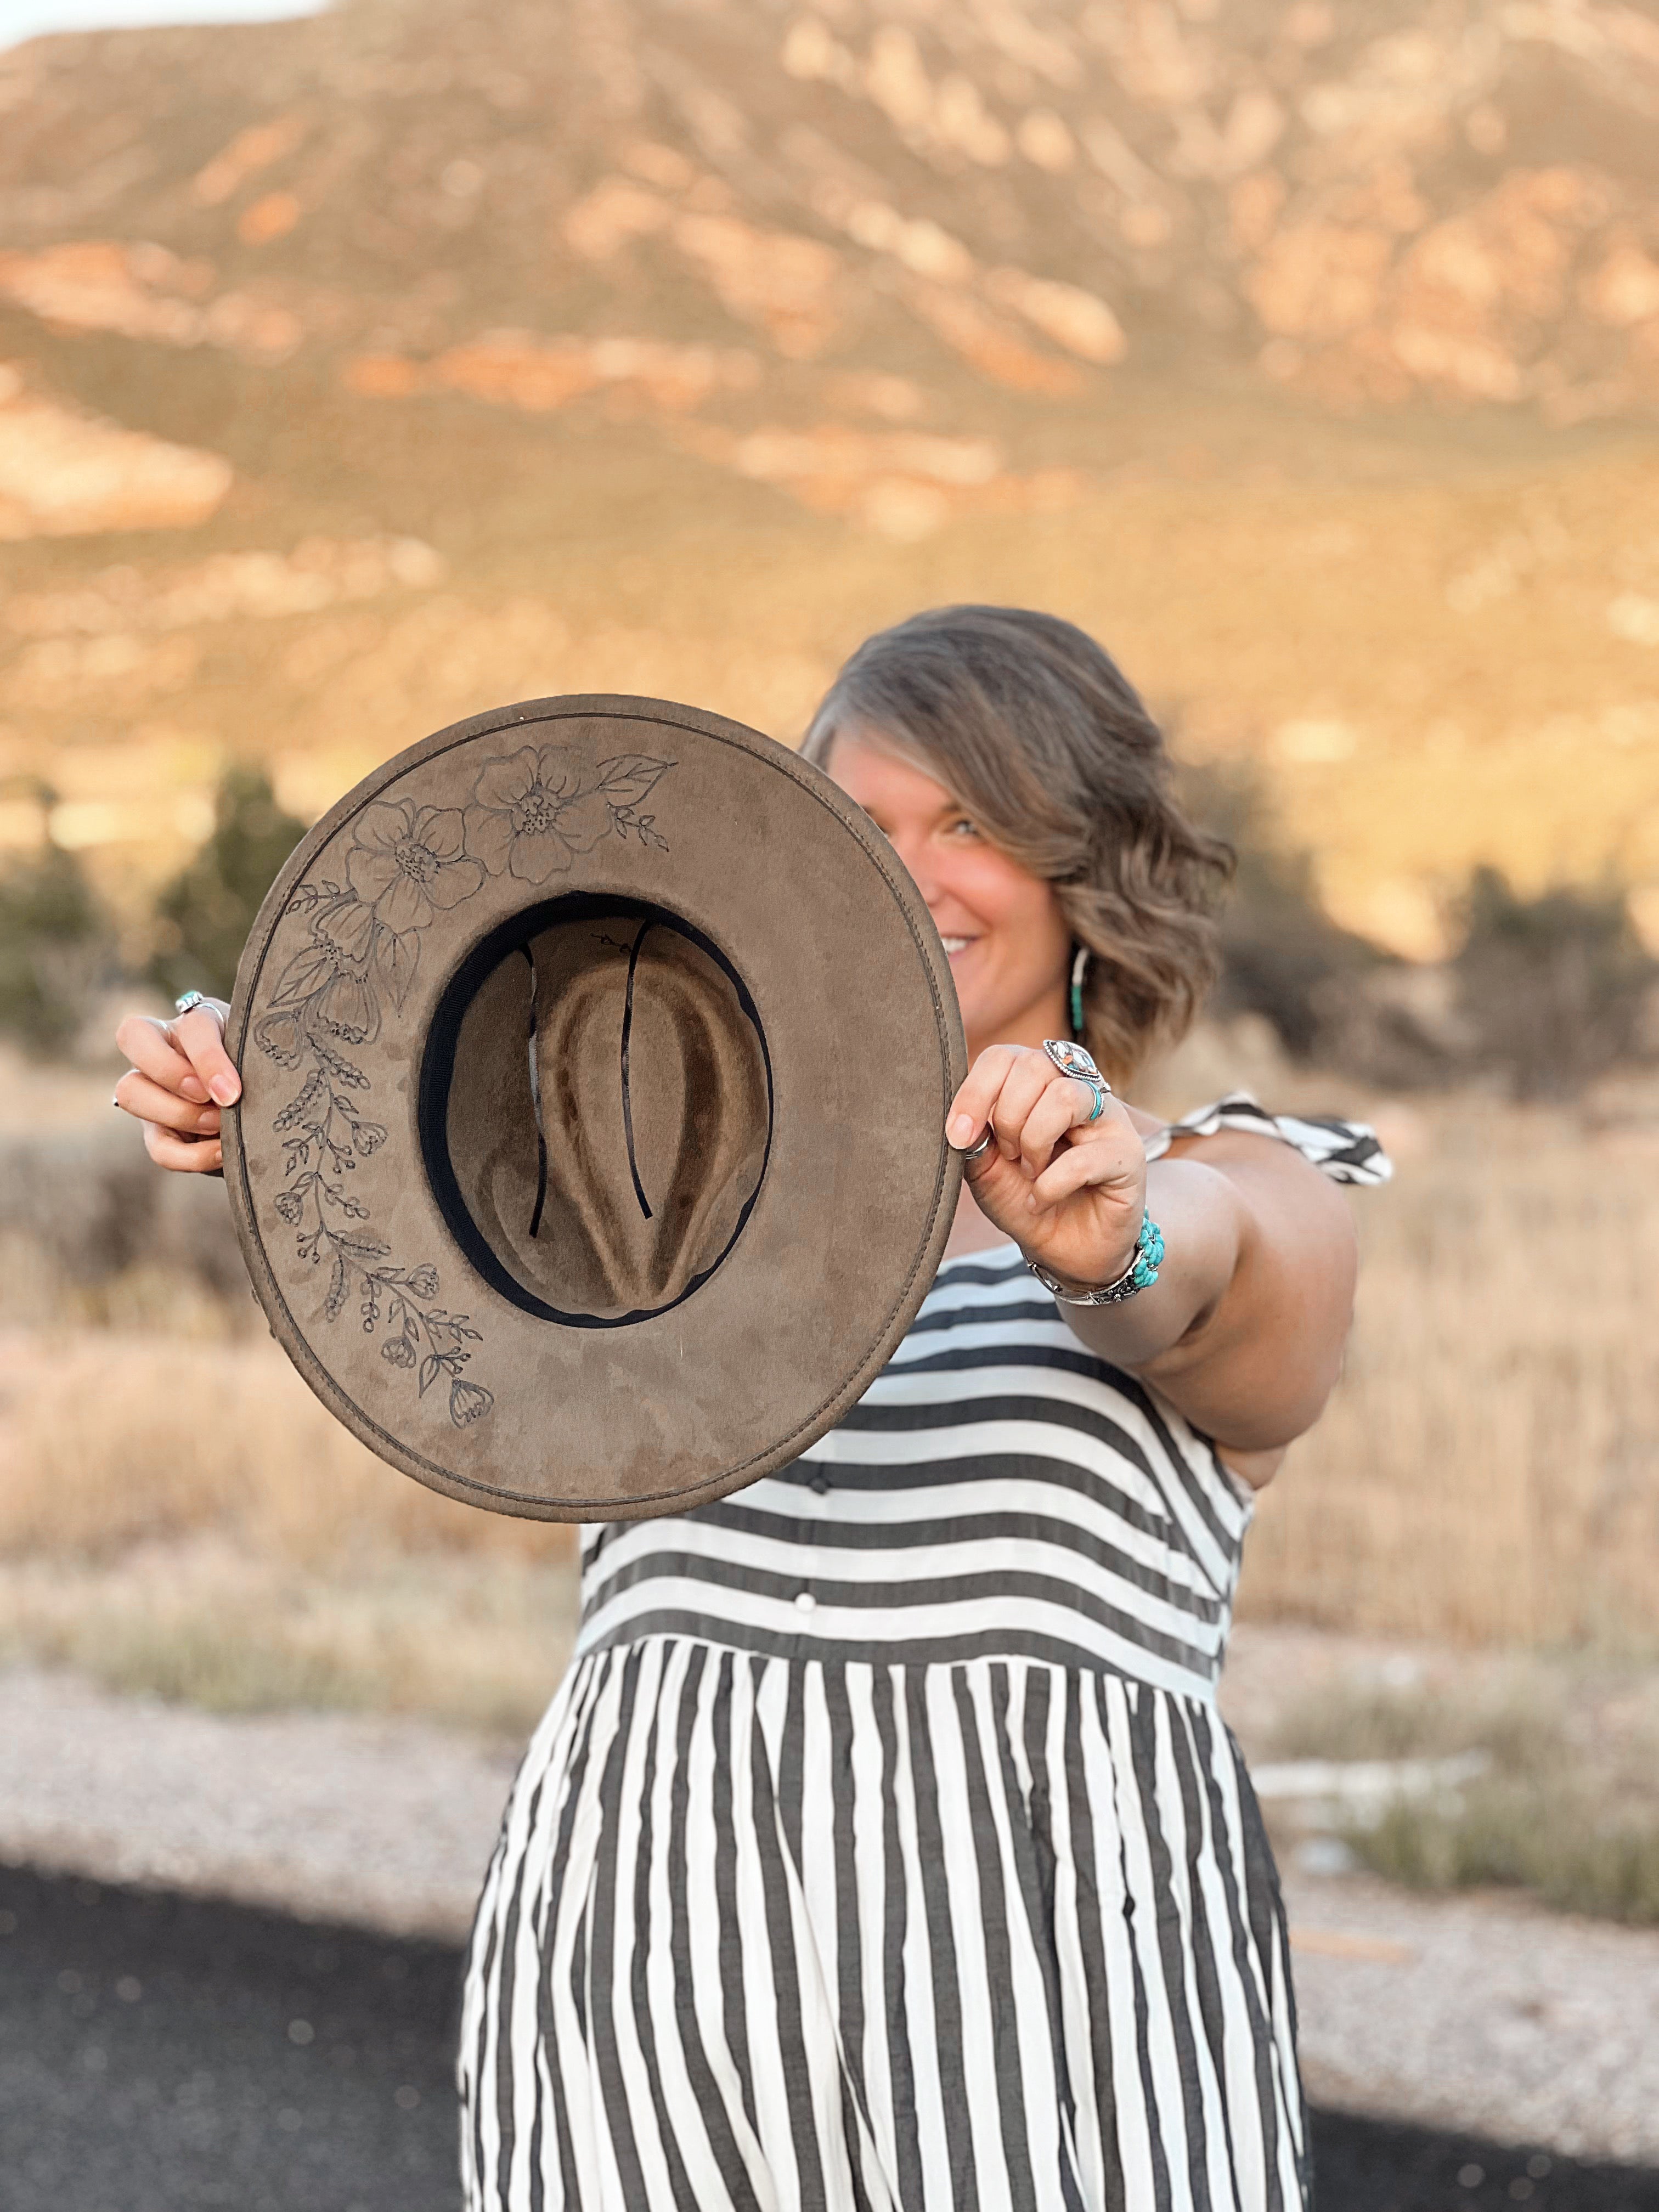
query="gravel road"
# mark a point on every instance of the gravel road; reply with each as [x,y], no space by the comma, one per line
[1479,2012]
[160,2053]
[1473,2013]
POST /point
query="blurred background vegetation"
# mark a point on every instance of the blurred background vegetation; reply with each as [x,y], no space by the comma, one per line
[1541,997]
[202,916]
[57,949]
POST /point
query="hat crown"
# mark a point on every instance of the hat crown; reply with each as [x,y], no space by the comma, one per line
[607,1111]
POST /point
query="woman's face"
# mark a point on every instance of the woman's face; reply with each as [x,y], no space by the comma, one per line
[1007,939]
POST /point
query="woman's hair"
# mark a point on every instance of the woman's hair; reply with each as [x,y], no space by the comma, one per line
[1036,730]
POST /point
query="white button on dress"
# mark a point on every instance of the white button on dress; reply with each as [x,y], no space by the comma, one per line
[805,1601]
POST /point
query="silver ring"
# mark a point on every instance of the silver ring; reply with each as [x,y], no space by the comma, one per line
[190,1002]
[986,1143]
[1074,1060]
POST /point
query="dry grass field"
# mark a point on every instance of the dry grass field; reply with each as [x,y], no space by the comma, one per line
[180,1516]
[1487,1474]
[1463,1555]
[1487,1471]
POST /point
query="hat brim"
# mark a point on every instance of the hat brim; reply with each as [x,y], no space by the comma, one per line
[398,1329]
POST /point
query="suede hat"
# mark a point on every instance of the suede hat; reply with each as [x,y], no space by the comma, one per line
[590,1159]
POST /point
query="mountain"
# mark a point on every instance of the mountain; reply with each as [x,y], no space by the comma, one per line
[371,368]
[1367,202]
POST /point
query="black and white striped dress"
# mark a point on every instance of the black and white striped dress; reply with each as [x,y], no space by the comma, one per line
[883,1850]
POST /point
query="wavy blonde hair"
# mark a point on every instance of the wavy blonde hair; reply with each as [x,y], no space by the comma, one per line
[1035,731]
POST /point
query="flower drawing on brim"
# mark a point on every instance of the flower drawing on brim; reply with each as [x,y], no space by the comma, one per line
[282,1035]
[347,1008]
[409,863]
[469,1402]
[346,926]
[327,986]
[532,814]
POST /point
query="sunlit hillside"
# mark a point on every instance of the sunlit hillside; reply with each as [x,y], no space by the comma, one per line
[367,371]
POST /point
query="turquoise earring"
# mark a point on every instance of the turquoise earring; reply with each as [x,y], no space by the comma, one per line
[1080,968]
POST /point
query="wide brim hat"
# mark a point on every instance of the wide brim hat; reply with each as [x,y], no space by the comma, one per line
[590,1158]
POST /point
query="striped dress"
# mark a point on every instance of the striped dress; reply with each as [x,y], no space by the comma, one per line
[883,1850]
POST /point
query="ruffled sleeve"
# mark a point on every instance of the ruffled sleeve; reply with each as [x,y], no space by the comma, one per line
[1348,1151]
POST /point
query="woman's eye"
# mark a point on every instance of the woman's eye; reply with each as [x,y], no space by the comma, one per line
[962,827]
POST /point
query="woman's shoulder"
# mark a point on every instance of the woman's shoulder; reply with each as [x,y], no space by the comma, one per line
[1348,1151]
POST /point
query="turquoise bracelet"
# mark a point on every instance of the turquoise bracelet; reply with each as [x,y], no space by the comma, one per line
[1140,1275]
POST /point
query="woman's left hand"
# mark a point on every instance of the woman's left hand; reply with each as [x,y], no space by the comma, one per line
[1070,1192]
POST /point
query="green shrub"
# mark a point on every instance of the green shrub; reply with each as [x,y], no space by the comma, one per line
[1553,1814]
[1546,993]
[1555,988]
[203,915]
[1556,1838]
[56,949]
[1282,955]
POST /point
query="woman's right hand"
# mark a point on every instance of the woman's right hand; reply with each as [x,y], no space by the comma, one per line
[180,1077]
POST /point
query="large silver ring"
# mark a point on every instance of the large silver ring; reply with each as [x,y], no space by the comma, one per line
[188,1001]
[1074,1060]
[976,1151]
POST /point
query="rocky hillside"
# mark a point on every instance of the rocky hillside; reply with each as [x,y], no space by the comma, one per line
[367,368]
[1366,201]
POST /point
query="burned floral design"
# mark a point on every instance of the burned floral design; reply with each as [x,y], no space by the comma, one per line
[408,864]
[532,814]
[535,811]
[405,866]
[324,1136]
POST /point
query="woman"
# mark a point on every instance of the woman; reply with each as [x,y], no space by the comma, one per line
[883,1848]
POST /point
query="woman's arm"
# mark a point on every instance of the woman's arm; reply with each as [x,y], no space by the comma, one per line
[1244,1328]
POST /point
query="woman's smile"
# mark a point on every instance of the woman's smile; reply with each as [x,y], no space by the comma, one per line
[1002,929]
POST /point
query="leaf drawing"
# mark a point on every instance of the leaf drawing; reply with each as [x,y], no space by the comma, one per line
[535,813]
[630,777]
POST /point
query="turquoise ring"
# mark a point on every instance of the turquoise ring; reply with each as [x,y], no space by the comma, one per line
[1072,1060]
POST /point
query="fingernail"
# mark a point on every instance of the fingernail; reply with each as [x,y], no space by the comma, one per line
[208,1119]
[961,1129]
[193,1088]
[224,1088]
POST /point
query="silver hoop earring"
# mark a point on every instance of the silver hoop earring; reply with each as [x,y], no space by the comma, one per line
[1080,969]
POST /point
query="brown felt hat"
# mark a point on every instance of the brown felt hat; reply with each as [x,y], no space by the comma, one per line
[590,1160]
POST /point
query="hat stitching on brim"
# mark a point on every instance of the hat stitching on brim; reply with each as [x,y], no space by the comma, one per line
[376,913]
